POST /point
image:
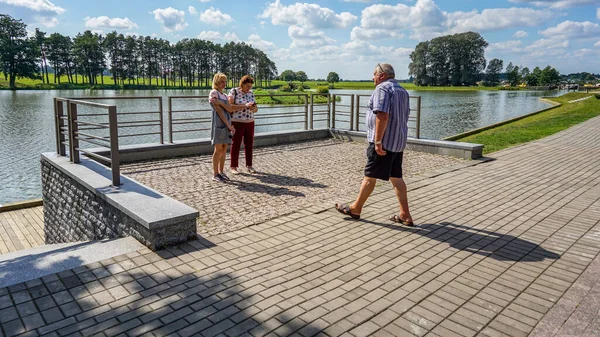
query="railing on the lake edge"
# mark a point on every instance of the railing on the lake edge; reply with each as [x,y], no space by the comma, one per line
[331,112]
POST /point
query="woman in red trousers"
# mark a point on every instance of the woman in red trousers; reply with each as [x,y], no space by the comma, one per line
[243,122]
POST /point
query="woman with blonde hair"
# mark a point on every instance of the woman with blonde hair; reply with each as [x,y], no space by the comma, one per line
[243,121]
[222,130]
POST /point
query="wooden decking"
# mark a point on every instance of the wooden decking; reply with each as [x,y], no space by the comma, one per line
[21,229]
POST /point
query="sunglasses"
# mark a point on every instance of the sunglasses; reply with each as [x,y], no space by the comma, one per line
[380,68]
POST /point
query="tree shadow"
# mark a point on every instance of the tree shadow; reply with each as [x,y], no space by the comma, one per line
[172,291]
[502,247]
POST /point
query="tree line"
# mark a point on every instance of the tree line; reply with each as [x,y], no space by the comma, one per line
[134,60]
[517,75]
[459,60]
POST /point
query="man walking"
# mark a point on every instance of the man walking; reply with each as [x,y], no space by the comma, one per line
[387,131]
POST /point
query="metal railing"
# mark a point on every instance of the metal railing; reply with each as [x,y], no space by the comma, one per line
[414,119]
[77,130]
[74,127]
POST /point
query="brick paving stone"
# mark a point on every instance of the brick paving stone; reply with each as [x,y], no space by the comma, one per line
[472,266]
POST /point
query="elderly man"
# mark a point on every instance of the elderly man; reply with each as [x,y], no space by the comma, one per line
[387,131]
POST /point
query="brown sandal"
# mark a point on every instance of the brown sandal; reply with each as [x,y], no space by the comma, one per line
[396,218]
[345,209]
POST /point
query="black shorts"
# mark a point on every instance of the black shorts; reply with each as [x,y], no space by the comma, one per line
[383,167]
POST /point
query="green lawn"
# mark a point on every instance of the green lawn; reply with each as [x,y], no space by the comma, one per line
[540,125]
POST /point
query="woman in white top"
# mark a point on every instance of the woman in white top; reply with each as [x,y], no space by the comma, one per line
[243,122]
[222,130]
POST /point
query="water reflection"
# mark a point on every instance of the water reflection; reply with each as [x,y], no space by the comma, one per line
[27,124]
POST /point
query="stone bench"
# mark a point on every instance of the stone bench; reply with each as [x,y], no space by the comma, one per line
[81,205]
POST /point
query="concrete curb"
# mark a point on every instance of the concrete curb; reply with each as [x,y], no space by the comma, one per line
[13,206]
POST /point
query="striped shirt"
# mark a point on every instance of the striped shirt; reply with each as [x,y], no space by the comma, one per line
[389,97]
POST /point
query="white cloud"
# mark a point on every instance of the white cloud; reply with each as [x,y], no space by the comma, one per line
[46,21]
[545,44]
[497,19]
[520,34]
[216,36]
[308,38]
[514,46]
[215,17]
[256,41]
[106,22]
[597,44]
[363,1]
[192,10]
[362,34]
[426,20]
[204,1]
[170,18]
[556,3]
[572,30]
[598,13]
[306,15]
[36,5]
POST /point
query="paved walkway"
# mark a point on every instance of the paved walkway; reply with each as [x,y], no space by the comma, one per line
[291,177]
[496,247]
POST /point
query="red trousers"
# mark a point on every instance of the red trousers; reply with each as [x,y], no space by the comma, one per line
[246,131]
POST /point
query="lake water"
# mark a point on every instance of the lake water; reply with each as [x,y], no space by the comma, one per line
[27,123]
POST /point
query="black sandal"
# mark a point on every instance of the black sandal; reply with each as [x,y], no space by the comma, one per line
[396,218]
[345,209]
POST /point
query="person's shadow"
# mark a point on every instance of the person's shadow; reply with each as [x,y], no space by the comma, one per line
[502,247]
[281,180]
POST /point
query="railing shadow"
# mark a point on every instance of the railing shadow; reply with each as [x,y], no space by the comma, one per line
[502,247]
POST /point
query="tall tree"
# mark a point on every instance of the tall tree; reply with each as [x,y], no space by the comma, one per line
[493,71]
[301,76]
[40,39]
[418,65]
[18,53]
[333,77]
[288,75]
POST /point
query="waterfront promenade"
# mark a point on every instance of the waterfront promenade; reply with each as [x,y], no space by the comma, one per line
[507,247]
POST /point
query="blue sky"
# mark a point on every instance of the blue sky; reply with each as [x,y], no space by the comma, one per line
[346,36]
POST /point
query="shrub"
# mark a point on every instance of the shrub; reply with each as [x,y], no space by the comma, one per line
[305,86]
[597,96]
[322,90]
[286,88]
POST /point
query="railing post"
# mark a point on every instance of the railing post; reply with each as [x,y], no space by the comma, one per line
[328,111]
[333,112]
[73,138]
[114,145]
[418,127]
[356,121]
[352,112]
[60,123]
[312,110]
[160,117]
[306,112]
[170,117]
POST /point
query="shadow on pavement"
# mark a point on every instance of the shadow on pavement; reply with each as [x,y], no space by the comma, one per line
[153,294]
[281,180]
[502,247]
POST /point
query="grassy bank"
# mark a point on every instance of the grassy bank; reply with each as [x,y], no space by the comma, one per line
[273,97]
[107,82]
[540,125]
